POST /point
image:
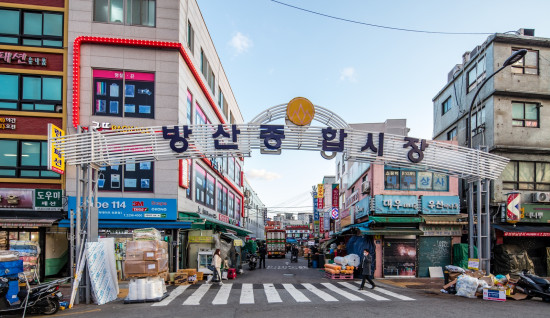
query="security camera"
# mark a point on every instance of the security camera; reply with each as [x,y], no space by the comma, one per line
[58,108]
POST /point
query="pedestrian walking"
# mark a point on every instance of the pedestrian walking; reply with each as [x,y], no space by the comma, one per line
[366,270]
[217,263]
[262,252]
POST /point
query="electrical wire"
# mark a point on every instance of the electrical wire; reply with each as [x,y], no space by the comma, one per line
[377,25]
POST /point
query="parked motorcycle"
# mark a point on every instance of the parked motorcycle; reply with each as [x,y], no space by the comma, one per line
[533,286]
[252,261]
[41,299]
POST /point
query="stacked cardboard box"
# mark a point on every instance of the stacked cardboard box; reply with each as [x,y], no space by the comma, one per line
[145,258]
[180,278]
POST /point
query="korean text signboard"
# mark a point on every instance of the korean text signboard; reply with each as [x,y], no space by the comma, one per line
[362,208]
[536,213]
[134,208]
[396,204]
[335,195]
[47,200]
[56,162]
[440,204]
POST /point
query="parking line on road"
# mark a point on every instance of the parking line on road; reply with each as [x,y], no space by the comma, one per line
[195,298]
[222,295]
[247,294]
[324,296]
[337,290]
[296,294]
[363,292]
[175,293]
[272,294]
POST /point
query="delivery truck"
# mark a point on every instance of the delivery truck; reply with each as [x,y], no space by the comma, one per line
[275,240]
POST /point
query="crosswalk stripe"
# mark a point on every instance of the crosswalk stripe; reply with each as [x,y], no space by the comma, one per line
[175,293]
[247,294]
[222,295]
[296,294]
[390,293]
[272,294]
[195,298]
[337,290]
[324,296]
[364,292]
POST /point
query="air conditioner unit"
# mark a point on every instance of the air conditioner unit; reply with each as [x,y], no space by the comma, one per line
[365,187]
[541,197]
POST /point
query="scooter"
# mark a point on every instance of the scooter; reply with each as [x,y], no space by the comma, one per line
[533,286]
[41,299]
[252,261]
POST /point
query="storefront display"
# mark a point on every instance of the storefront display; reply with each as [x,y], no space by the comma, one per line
[399,257]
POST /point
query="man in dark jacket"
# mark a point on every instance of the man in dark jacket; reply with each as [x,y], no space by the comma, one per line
[366,270]
[262,252]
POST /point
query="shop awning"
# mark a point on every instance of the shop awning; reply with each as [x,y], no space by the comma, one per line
[201,221]
[28,223]
[131,224]
[237,241]
[460,219]
[395,219]
[523,230]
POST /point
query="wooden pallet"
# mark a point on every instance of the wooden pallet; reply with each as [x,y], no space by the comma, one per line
[338,276]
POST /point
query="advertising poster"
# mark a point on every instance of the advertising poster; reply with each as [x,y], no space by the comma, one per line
[133,208]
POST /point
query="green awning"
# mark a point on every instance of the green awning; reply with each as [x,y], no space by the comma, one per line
[203,222]
[395,219]
[392,231]
[459,219]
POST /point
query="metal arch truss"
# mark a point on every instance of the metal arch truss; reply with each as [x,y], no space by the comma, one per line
[115,147]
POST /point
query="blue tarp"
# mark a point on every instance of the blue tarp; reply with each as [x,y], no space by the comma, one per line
[291,240]
[357,244]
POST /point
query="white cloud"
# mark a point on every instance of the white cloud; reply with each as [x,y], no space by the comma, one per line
[262,174]
[240,42]
[348,73]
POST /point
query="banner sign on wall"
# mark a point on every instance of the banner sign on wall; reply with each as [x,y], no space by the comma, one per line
[362,208]
[335,195]
[396,204]
[134,208]
[320,190]
[440,204]
[327,221]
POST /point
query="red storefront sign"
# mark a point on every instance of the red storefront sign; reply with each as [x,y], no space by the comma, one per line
[321,203]
[335,195]
[27,125]
[528,234]
[31,60]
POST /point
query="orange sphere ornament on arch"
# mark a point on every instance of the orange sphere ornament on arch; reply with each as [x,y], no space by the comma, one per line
[300,111]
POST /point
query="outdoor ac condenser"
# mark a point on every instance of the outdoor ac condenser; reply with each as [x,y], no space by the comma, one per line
[541,197]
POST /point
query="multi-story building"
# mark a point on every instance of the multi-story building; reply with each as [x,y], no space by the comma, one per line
[33,79]
[153,63]
[508,119]
[255,212]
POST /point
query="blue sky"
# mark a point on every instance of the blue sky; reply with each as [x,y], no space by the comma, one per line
[272,53]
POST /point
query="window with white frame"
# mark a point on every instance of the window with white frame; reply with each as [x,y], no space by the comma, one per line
[129,12]
[476,74]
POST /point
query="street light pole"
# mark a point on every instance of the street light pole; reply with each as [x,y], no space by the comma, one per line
[483,239]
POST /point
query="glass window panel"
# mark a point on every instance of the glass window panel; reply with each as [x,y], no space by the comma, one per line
[543,172]
[526,171]
[101,10]
[32,23]
[7,172]
[531,58]
[531,111]
[45,107]
[518,70]
[8,40]
[531,123]
[510,172]
[472,76]
[32,88]
[526,186]
[5,105]
[517,111]
[10,21]
[51,88]
[117,11]
[30,42]
[508,186]
[481,116]
[8,153]
[53,24]
[440,182]
[49,174]
[544,187]
[9,87]
[52,43]
[531,71]
[481,66]
[30,153]
[30,173]
[517,123]
[27,106]
[43,153]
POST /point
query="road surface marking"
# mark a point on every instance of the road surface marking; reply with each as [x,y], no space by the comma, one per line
[324,296]
[223,295]
[390,293]
[195,299]
[337,290]
[364,292]
[272,294]
[175,293]
[247,294]
[296,294]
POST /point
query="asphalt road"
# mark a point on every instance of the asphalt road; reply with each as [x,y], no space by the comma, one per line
[287,289]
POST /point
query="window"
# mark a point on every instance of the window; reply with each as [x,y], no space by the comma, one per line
[231,168]
[408,180]
[25,159]
[219,197]
[451,135]
[32,28]
[210,191]
[221,100]
[200,116]
[190,37]
[476,74]
[129,12]
[237,173]
[231,205]
[238,208]
[30,92]
[124,93]
[446,106]
[189,191]
[529,64]
[200,184]
[526,175]
[207,72]
[132,176]
[525,114]
[478,121]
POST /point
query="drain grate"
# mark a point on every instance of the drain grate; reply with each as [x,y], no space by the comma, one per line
[289,274]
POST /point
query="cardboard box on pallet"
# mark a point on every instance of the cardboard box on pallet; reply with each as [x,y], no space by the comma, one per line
[145,268]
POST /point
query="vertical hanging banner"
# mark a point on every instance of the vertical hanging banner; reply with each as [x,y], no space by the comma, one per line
[335,195]
[320,190]
[320,203]
[513,207]
[56,162]
[327,221]
[315,215]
